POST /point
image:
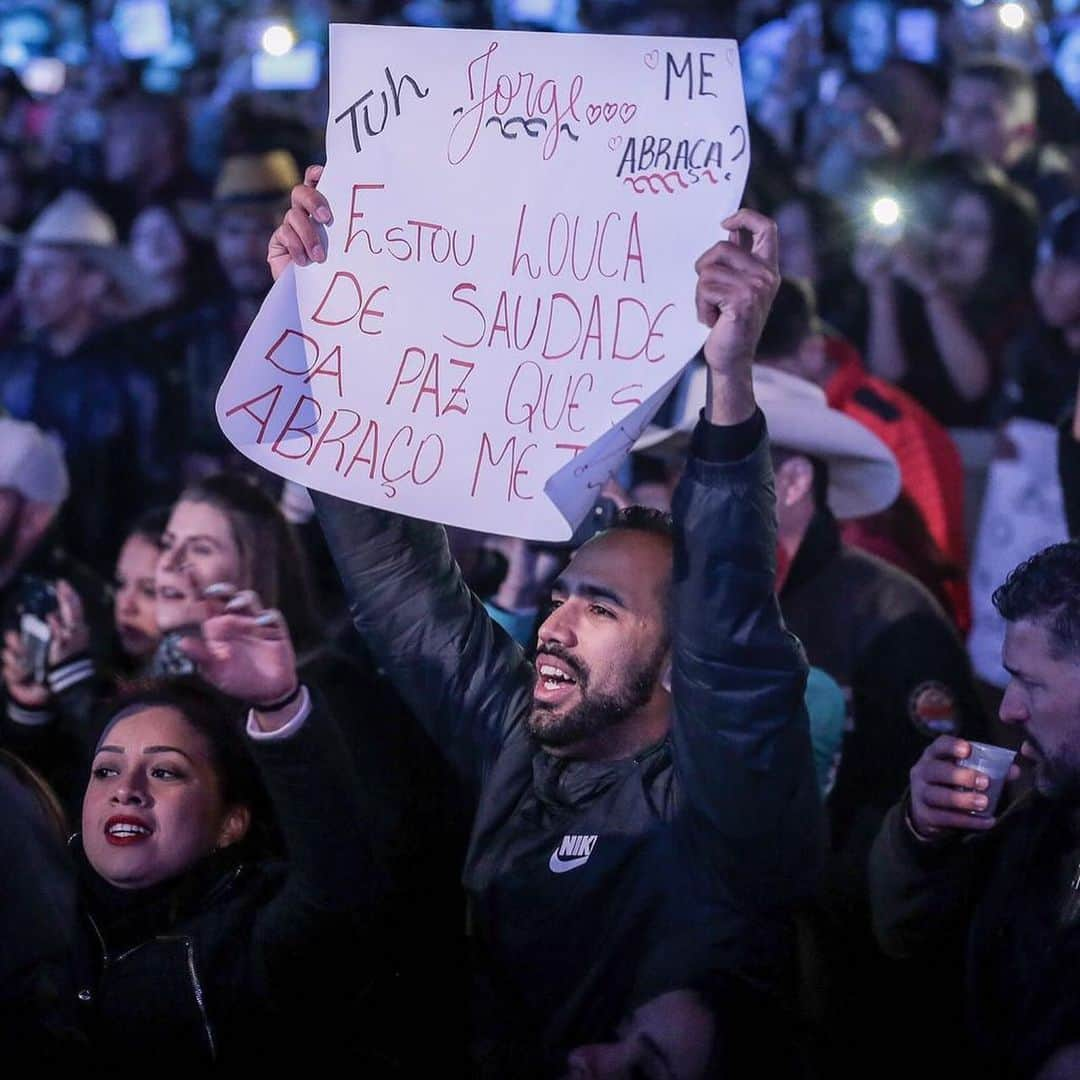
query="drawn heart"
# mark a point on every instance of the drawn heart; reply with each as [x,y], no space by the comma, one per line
[592,113]
[731,57]
[652,59]
[627,111]
[610,109]
[614,142]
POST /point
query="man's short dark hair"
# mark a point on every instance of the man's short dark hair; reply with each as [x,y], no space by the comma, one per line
[792,319]
[646,519]
[1046,589]
[1011,80]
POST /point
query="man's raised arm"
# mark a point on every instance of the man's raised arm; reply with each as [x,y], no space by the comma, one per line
[741,737]
[463,677]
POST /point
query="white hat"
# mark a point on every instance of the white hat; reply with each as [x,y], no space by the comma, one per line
[74,220]
[864,477]
[32,462]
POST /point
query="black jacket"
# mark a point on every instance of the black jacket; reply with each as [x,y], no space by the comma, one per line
[899,660]
[239,961]
[37,929]
[896,655]
[595,886]
[1012,897]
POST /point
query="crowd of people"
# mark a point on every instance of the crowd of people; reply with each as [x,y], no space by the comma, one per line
[285,778]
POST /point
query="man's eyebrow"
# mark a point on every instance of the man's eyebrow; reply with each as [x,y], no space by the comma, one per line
[1018,673]
[589,589]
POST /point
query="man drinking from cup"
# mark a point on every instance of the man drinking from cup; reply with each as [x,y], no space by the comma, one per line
[947,863]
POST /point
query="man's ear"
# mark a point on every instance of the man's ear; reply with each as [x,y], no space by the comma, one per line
[234,826]
[794,481]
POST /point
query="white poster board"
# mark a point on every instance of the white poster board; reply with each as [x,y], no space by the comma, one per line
[1022,513]
[509,286]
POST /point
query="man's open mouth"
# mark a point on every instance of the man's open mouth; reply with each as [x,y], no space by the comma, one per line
[553,670]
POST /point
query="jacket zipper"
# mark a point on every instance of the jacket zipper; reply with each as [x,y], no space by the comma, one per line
[1071,908]
[196,985]
[197,989]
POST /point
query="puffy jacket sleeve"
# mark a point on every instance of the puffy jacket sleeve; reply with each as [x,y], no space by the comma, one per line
[744,765]
[922,894]
[462,676]
[333,869]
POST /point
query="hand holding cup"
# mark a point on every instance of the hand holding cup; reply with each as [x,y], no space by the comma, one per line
[951,790]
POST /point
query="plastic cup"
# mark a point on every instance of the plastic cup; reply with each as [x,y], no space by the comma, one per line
[994,762]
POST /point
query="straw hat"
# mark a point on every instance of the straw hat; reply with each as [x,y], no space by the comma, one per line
[247,178]
[76,222]
[32,462]
[864,477]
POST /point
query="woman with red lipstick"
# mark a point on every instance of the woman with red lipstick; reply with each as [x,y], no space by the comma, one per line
[196,946]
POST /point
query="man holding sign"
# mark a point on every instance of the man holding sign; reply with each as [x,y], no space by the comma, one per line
[645,811]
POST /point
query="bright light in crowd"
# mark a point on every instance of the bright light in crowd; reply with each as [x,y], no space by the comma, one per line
[1012,16]
[885,211]
[277,40]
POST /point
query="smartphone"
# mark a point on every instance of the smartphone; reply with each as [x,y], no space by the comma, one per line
[36,638]
[36,600]
[917,35]
[298,69]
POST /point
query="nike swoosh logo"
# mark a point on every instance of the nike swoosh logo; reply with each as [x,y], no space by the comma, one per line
[560,866]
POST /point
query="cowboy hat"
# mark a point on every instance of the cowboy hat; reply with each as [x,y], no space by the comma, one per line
[74,221]
[863,475]
[32,462]
[254,178]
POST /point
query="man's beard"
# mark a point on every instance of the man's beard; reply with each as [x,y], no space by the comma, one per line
[1058,779]
[594,713]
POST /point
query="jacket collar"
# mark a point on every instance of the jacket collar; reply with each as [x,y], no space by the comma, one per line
[567,784]
[126,918]
[819,546]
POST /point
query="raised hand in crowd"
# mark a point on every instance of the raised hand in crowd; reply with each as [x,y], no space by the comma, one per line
[247,653]
[69,637]
[737,281]
[946,797]
[873,264]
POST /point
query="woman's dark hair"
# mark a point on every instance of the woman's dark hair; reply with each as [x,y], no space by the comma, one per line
[203,277]
[1013,216]
[150,526]
[270,553]
[837,293]
[39,788]
[217,718]
[1063,230]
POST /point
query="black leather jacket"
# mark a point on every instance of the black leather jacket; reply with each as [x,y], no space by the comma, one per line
[695,852]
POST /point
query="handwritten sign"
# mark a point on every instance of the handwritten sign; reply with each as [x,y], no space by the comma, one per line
[508,293]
